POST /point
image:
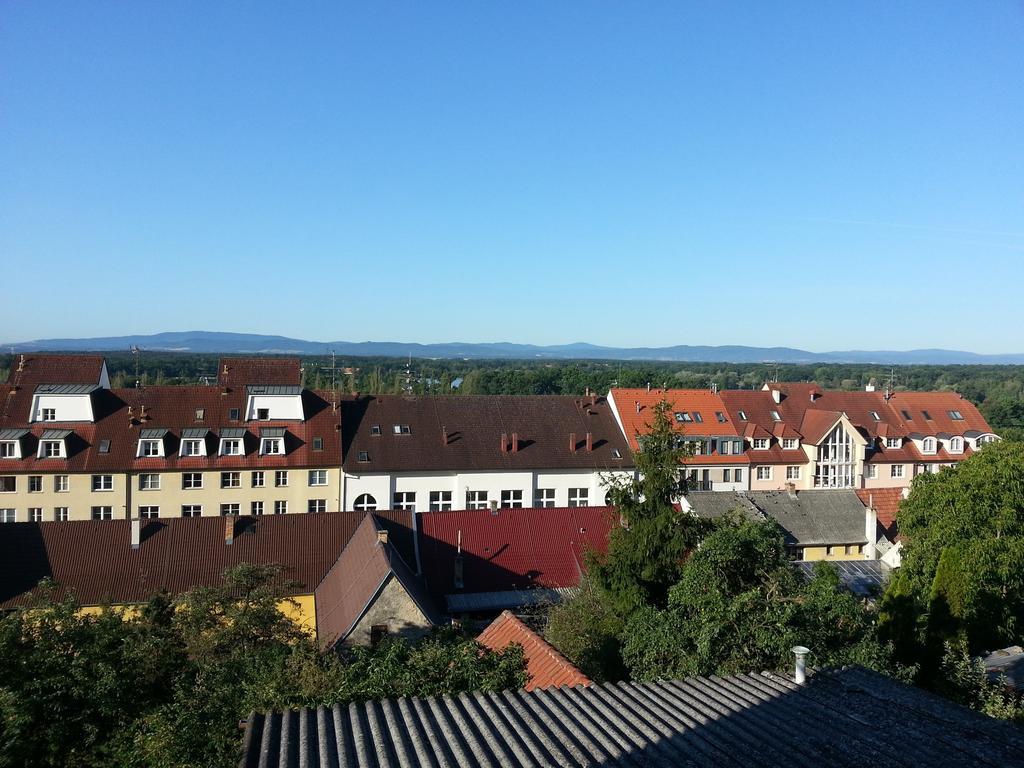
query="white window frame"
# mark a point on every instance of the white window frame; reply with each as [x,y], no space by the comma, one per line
[8,515]
[405,500]
[894,442]
[258,479]
[956,444]
[61,483]
[317,478]
[790,443]
[896,471]
[256,508]
[149,481]
[929,445]
[192,446]
[150,448]
[759,443]
[230,509]
[511,499]
[10,449]
[194,510]
[102,483]
[280,478]
[35,514]
[191,485]
[271,446]
[230,479]
[8,480]
[48,414]
[62,514]
[102,512]
[476,500]
[763,472]
[579,497]
[36,480]
[544,498]
[440,501]
[365,502]
[149,512]
[793,472]
[872,471]
[231,446]
[281,507]
[316,506]
[51,449]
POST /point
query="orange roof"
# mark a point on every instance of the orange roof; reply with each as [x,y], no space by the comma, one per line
[886,502]
[938,406]
[636,410]
[546,667]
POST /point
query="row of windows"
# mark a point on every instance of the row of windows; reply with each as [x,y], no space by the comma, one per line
[151,481]
[62,514]
[441,501]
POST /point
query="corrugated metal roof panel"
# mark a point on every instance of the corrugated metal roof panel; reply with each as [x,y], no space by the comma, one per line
[56,434]
[66,389]
[271,389]
[744,720]
[153,433]
[232,433]
[194,433]
[272,432]
[12,434]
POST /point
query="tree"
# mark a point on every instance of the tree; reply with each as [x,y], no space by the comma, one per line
[740,605]
[963,558]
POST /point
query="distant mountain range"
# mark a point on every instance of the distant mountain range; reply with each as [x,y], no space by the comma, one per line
[251,343]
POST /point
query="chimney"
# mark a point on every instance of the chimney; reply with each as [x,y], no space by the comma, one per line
[870,387]
[382,536]
[136,532]
[515,442]
[21,364]
[648,386]
[459,583]
[590,442]
[444,435]
[229,529]
[572,442]
[800,673]
[791,490]
[870,529]
[777,395]
[638,406]
[593,399]
[504,442]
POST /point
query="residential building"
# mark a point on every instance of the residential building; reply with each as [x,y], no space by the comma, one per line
[440,453]
[766,719]
[257,443]
[717,460]
[545,666]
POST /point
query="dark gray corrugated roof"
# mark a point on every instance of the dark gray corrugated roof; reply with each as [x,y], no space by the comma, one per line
[193,433]
[66,389]
[808,517]
[153,433]
[272,432]
[864,578]
[12,434]
[840,717]
[232,433]
[272,389]
[56,434]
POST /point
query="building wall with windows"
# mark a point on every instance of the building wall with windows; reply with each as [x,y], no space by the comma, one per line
[62,496]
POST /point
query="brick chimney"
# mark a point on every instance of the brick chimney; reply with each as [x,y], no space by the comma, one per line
[504,442]
[515,442]
[444,435]
[229,529]
[382,536]
[572,442]
[638,409]
[136,533]
[590,442]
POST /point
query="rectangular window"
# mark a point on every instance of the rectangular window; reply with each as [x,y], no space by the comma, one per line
[683,417]
[8,484]
[233,414]
[579,497]
[697,417]
[104,446]
[49,414]
[149,512]
[35,514]
[230,510]
[53,449]
[149,482]
[8,515]
[775,416]
[737,476]
[316,505]
[281,478]
[760,443]
[721,417]
[8,450]
[200,414]
[103,482]
[956,415]
[192,480]
[230,479]
[896,470]
[404,500]
[792,473]
[402,429]
[191,447]
[256,508]
[872,471]
[726,475]
[789,443]
[440,501]
[512,499]
[263,414]
[102,513]
[318,477]
[893,442]
[35,483]
[280,507]
[149,448]
[476,499]
[259,480]
[231,447]
[764,473]
[318,443]
[61,514]
[61,483]
[272,446]
[364,456]
[191,510]
[725,447]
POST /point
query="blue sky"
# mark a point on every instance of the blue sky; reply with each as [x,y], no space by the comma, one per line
[820,175]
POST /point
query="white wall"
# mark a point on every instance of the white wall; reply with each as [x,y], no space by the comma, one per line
[286,407]
[68,407]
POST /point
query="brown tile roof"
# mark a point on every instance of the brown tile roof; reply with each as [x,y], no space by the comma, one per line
[464,432]
[691,401]
[174,408]
[239,371]
[32,370]
[546,667]
[353,582]
[94,559]
[938,405]
[886,502]
[817,424]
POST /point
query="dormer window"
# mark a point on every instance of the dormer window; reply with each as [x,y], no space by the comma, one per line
[928,445]
[232,442]
[151,443]
[760,443]
[10,443]
[402,429]
[956,445]
[272,441]
[893,442]
[789,443]
[193,442]
[52,444]
[956,416]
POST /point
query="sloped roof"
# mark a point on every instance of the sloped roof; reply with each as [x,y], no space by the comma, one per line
[742,720]
[94,560]
[55,369]
[546,667]
[691,401]
[938,405]
[463,433]
[239,371]
[356,578]
[864,578]
[512,549]
[886,502]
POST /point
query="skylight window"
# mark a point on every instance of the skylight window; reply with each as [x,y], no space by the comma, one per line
[956,415]
[683,416]
[402,429]
[697,417]
[375,429]
[875,416]
[364,456]
[743,415]
[104,446]
[927,416]
[775,416]
[616,453]
[906,415]
[721,417]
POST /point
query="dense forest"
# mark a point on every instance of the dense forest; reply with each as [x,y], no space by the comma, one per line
[997,389]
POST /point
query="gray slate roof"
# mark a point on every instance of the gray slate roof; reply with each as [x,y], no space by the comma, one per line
[809,518]
[841,717]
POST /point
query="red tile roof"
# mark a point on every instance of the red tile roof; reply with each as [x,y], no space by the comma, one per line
[691,401]
[512,549]
[938,405]
[32,370]
[239,371]
[446,433]
[546,667]
[886,502]
[94,559]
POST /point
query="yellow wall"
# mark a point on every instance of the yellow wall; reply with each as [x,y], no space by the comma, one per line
[838,553]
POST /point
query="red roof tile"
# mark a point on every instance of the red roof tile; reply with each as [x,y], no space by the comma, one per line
[546,667]
[239,371]
[32,370]
[706,403]
[886,502]
[938,405]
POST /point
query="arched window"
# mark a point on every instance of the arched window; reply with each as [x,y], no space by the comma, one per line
[956,445]
[928,446]
[365,503]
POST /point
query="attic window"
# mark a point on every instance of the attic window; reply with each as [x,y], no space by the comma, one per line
[402,429]
[775,416]
[104,446]
[616,453]
[906,415]
[956,416]
[233,414]
[318,443]
[927,416]
[893,442]
[683,416]
[263,414]
[875,416]
[364,456]
[721,417]
[743,415]
[697,417]
[200,414]
[375,429]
